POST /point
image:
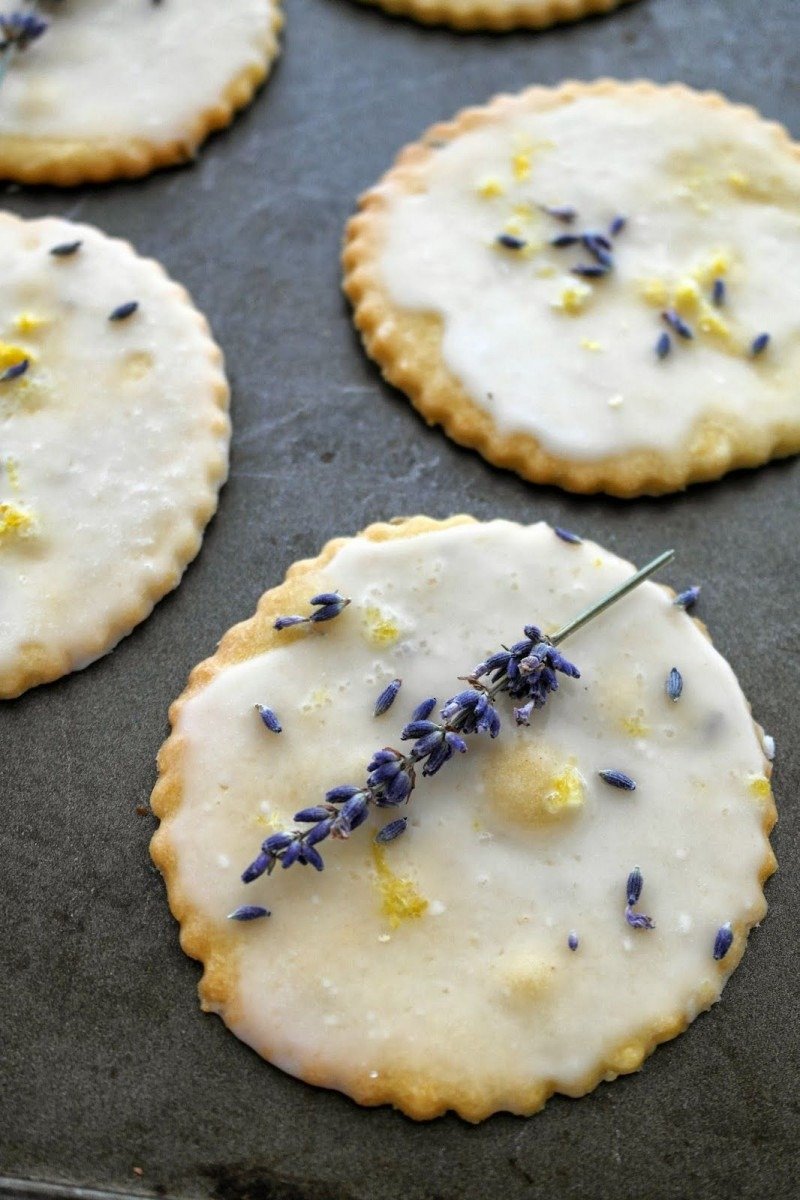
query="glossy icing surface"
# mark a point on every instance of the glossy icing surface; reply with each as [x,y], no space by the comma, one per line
[444,956]
[707,194]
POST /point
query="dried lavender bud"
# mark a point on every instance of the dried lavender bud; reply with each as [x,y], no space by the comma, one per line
[688,598]
[572,940]
[676,322]
[20,29]
[567,536]
[15,371]
[599,247]
[723,941]
[674,684]
[257,867]
[617,225]
[718,292]
[663,345]
[759,344]
[563,240]
[564,212]
[590,271]
[270,718]
[387,697]
[618,780]
[424,710]
[328,605]
[66,249]
[248,912]
[510,242]
[123,311]
[633,888]
[308,815]
[392,830]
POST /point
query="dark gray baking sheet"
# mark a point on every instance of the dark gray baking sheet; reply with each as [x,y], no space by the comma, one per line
[107,1062]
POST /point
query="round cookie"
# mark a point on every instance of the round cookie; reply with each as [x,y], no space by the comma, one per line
[592,285]
[117,88]
[113,443]
[497,15]
[492,954]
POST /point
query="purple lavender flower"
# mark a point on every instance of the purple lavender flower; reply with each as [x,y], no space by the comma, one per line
[318,812]
[617,225]
[677,323]
[15,371]
[687,599]
[759,344]
[564,212]
[123,311]
[392,830]
[718,292]
[599,247]
[663,345]
[270,718]
[618,779]
[567,536]
[564,240]
[674,684]
[19,29]
[572,940]
[633,890]
[66,249]
[510,242]
[248,912]
[424,710]
[590,270]
[328,605]
[387,698]
[723,941]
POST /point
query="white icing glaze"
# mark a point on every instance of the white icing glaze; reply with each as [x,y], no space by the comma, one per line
[480,991]
[112,446]
[691,179]
[131,69]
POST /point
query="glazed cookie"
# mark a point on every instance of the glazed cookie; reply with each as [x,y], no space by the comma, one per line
[556,901]
[497,14]
[592,285]
[113,443]
[117,88]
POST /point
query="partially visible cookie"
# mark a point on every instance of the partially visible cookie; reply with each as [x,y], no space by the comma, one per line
[497,14]
[117,88]
[113,443]
[504,946]
[595,285]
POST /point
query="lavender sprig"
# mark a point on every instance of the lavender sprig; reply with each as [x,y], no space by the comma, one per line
[526,672]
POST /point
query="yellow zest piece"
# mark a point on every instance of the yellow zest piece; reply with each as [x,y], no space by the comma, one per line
[635,726]
[11,355]
[515,226]
[546,271]
[759,786]
[525,212]
[739,181]
[14,520]
[573,298]
[521,165]
[567,792]
[589,344]
[655,291]
[400,900]
[28,323]
[490,187]
[320,697]
[714,267]
[381,629]
[12,473]
[711,322]
[687,296]
[528,977]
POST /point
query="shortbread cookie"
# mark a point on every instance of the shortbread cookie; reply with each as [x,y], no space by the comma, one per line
[592,285]
[113,443]
[501,949]
[497,14]
[117,88]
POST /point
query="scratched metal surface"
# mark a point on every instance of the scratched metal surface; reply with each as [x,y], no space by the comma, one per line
[107,1063]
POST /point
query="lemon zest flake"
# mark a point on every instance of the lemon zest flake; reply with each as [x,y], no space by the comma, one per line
[400,900]
[14,520]
[381,629]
